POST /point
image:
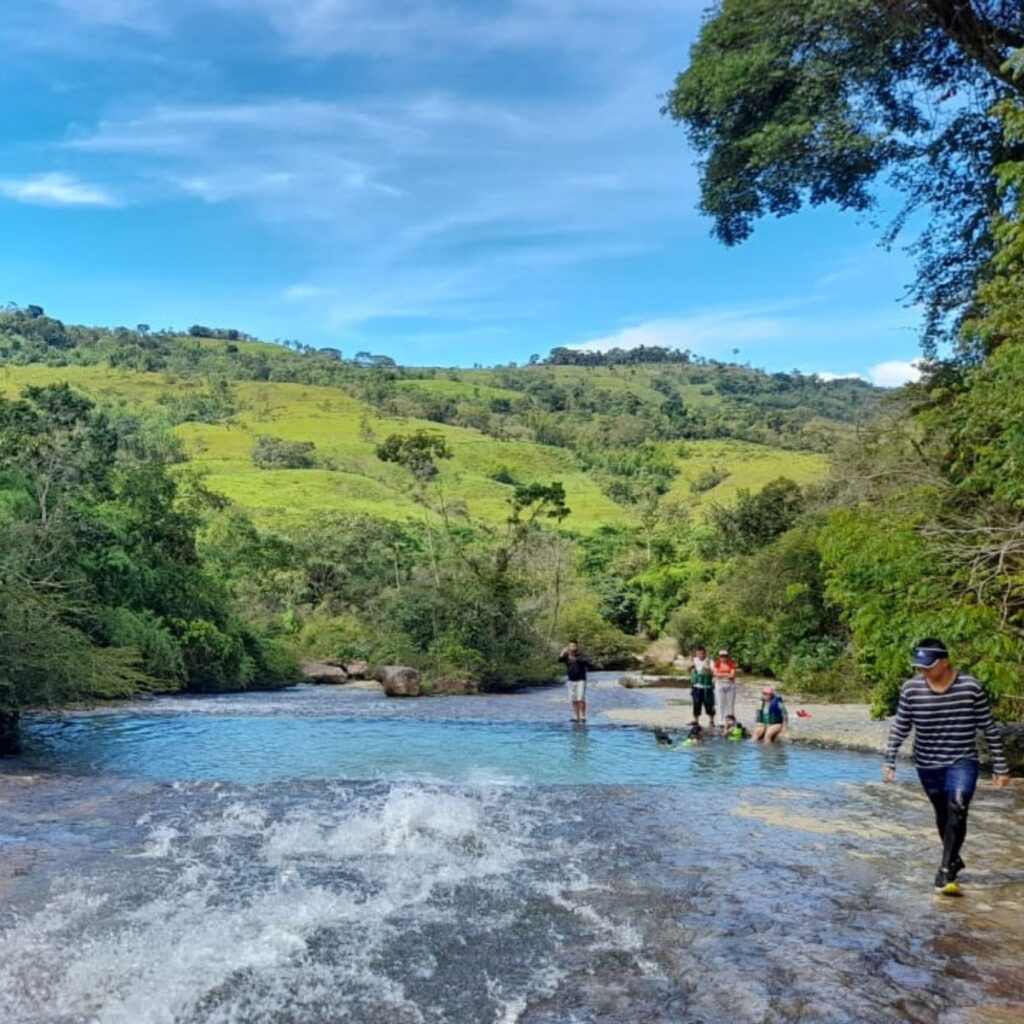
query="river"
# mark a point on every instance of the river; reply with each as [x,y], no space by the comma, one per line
[326,855]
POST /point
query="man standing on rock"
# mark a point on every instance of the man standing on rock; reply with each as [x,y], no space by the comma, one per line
[576,665]
[946,708]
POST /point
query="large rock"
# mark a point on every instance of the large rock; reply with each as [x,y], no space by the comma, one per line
[399,680]
[328,671]
[357,669]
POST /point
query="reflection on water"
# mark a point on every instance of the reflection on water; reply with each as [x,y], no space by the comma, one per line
[241,864]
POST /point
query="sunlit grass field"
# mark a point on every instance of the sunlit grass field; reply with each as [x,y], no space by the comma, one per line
[346,431]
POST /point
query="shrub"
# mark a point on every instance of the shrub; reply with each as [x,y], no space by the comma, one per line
[276,453]
[607,645]
[147,633]
[502,474]
[214,660]
[709,479]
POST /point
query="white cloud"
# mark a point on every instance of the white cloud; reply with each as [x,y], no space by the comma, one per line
[218,188]
[701,332]
[827,375]
[894,373]
[56,189]
[433,29]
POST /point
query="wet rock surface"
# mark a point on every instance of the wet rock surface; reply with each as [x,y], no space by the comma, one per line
[296,904]
[731,883]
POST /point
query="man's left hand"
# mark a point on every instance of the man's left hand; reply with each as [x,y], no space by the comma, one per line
[1002,781]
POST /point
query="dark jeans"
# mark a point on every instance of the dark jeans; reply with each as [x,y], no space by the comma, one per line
[703,695]
[950,789]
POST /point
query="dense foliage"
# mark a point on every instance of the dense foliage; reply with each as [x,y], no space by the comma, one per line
[101,588]
[794,102]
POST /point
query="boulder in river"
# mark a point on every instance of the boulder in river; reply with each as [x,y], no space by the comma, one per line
[328,671]
[399,680]
[357,669]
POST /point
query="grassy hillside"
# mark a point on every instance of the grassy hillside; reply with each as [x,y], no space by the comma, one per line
[619,432]
[345,431]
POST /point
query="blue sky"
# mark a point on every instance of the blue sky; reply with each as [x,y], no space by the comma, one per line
[443,181]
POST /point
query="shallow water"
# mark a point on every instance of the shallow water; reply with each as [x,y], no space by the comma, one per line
[327,855]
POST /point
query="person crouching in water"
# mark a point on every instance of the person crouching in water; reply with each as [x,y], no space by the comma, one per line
[772,716]
[576,665]
[693,736]
[733,730]
[702,686]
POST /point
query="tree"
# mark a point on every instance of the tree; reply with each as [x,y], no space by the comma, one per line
[417,452]
[997,314]
[794,102]
[757,519]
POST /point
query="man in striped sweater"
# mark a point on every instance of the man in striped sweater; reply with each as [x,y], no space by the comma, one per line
[946,708]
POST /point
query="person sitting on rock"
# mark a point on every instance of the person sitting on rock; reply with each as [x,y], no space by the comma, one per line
[772,716]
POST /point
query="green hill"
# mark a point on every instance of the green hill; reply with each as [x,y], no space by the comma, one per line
[617,435]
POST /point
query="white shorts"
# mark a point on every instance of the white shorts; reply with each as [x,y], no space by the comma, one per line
[577,690]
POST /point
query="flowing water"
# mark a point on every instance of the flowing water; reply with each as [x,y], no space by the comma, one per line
[326,855]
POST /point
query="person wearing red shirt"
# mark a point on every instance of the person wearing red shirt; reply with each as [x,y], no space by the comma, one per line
[724,672]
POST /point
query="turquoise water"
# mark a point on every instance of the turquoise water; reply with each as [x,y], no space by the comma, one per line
[261,748]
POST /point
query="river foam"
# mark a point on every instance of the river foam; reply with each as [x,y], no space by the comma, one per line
[303,905]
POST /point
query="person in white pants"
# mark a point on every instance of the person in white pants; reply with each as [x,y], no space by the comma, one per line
[724,672]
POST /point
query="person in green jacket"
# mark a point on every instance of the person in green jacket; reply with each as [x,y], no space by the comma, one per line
[702,686]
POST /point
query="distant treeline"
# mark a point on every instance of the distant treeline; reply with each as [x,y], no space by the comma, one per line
[583,401]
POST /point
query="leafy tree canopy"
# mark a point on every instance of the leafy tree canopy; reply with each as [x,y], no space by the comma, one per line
[417,452]
[794,102]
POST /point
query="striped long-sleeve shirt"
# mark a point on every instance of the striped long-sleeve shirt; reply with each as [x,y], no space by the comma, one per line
[945,724]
